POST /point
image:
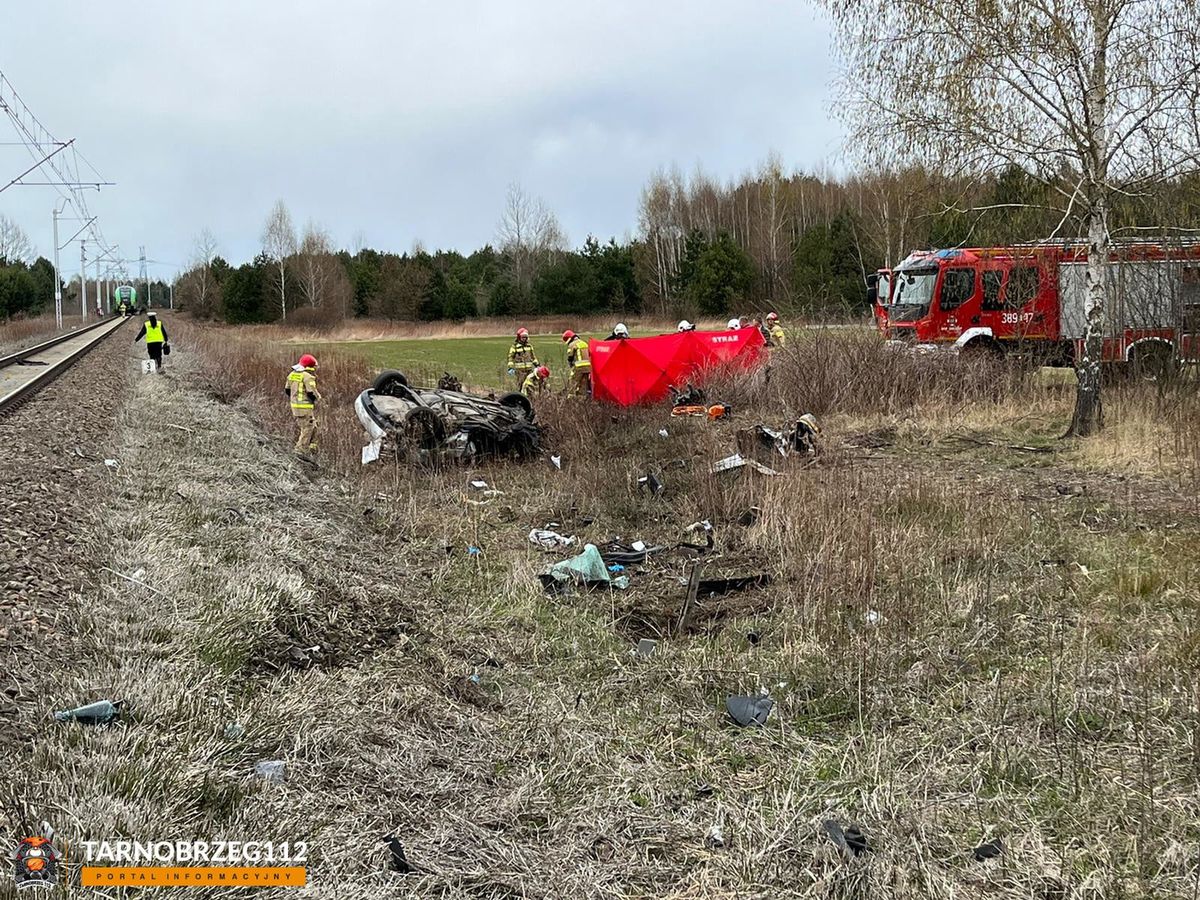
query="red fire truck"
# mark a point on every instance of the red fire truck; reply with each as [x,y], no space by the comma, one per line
[1030,299]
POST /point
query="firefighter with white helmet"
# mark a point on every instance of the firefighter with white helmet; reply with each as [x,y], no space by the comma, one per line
[685,325]
[619,332]
[522,359]
[733,325]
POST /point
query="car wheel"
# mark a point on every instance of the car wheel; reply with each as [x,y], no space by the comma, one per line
[1153,361]
[423,429]
[387,381]
[520,402]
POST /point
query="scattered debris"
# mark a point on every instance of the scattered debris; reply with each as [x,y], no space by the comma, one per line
[873,617]
[715,837]
[850,841]
[704,790]
[111,463]
[689,597]
[689,396]
[982,443]
[718,586]
[99,713]
[649,483]
[470,689]
[737,461]
[271,769]
[550,540]
[988,850]
[556,461]
[753,637]
[615,568]
[474,551]
[398,861]
[646,647]
[662,432]
[749,710]
[587,568]
[479,485]
[616,553]
[1069,490]
[233,731]
[449,382]
[749,517]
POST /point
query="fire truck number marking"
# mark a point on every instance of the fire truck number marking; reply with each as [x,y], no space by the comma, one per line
[1012,318]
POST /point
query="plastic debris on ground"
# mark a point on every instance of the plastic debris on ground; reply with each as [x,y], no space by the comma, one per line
[233,731]
[617,553]
[474,551]
[715,837]
[587,569]
[649,483]
[662,432]
[849,840]
[646,647]
[737,461]
[479,485]
[989,850]
[747,711]
[749,517]
[615,568]
[111,463]
[556,461]
[99,713]
[271,769]
[398,861]
[372,451]
[551,540]
[710,587]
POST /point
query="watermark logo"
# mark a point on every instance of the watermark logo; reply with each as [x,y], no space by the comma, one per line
[36,863]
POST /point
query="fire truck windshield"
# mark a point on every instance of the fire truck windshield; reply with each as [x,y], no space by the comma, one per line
[912,293]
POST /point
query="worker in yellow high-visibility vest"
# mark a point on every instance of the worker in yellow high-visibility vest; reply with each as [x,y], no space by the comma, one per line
[155,333]
[579,362]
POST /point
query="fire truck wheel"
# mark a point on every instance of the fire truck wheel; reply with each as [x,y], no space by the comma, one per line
[1154,361]
[983,350]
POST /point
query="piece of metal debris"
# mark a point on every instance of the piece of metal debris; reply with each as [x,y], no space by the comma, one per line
[99,713]
[646,647]
[747,711]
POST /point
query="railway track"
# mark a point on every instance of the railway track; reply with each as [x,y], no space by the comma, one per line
[26,371]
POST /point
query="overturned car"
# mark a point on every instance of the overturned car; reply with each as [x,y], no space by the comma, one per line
[443,423]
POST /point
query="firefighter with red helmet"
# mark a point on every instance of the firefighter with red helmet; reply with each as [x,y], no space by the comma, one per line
[774,331]
[579,363]
[304,397]
[535,382]
[522,359]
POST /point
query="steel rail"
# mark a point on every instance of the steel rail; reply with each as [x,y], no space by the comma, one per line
[13,358]
[52,371]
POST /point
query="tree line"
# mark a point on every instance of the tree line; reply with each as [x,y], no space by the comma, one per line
[797,242]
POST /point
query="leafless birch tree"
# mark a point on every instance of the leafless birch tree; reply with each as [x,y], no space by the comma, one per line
[279,243]
[529,233]
[14,242]
[1094,97]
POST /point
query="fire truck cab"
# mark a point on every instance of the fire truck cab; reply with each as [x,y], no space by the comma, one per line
[1030,299]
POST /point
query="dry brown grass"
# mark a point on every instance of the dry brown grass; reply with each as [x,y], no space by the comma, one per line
[958,651]
[22,331]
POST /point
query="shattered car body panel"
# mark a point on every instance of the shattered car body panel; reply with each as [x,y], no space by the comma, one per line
[431,425]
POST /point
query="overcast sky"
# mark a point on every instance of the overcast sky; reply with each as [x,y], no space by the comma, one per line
[403,121]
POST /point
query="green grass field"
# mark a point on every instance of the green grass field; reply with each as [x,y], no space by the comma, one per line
[475,360]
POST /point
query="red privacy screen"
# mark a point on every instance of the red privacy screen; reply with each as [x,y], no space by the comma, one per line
[641,370]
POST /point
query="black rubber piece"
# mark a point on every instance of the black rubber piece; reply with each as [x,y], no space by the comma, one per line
[516,400]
